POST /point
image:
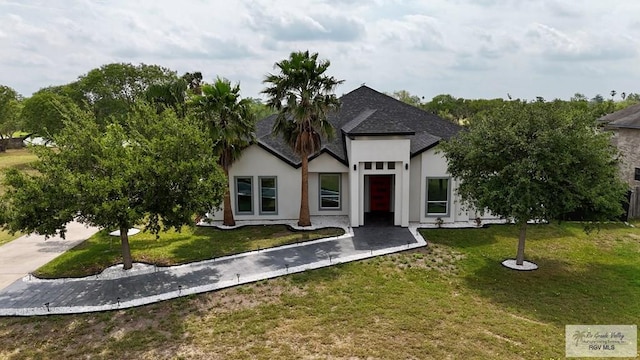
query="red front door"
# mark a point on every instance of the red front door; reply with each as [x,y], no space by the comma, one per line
[380,192]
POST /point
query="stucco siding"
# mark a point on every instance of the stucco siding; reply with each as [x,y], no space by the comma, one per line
[628,143]
[416,195]
[256,162]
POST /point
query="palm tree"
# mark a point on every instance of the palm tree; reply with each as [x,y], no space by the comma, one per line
[303,96]
[231,123]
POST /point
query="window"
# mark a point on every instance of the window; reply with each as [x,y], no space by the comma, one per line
[330,191]
[268,195]
[379,165]
[244,195]
[437,196]
[637,174]
[367,165]
[391,165]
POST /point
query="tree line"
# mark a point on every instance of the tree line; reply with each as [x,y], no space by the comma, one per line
[462,111]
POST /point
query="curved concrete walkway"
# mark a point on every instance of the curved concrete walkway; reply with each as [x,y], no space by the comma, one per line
[145,284]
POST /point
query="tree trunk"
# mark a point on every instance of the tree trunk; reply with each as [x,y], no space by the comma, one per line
[126,251]
[305,217]
[228,211]
[523,234]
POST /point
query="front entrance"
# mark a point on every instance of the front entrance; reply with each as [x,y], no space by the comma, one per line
[380,191]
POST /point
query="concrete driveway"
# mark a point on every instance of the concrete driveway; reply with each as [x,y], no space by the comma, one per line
[27,253]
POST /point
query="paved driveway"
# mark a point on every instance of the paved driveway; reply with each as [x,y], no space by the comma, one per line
[27,253]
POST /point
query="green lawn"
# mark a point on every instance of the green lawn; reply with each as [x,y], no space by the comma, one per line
[13,158]
[452,300]
[173,248]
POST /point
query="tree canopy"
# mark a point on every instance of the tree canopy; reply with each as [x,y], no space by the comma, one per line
[302,94]
[111,90]
[536,161]
[45,113]
[10,107]
[157,170]
[230,121]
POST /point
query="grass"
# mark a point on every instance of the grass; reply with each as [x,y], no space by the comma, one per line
[173,248]
[451,300]
[19,159]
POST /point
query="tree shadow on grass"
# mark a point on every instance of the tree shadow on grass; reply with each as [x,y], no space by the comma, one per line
[563,293]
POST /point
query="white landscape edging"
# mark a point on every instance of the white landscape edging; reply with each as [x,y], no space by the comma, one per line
[144,269]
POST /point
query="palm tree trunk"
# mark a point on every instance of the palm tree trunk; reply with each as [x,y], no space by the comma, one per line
[523,234]
[228,212]
[126,250]
[305,217]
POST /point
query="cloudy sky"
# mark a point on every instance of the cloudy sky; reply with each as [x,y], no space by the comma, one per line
[467,48]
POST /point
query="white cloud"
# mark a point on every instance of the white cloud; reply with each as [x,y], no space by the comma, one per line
[464,47]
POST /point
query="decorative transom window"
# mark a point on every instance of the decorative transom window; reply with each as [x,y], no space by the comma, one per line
[268,195]
[438,196]
[330,191]
[244,195]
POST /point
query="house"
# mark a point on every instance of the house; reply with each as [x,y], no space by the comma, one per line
[383,164]
[625,125]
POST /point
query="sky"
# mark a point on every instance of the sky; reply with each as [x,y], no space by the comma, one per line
[466,48]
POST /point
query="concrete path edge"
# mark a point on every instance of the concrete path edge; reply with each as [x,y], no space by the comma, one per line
[44,310]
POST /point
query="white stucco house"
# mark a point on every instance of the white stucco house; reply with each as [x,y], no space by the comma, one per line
[382,165]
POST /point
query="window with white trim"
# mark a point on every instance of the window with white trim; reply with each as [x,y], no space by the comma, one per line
[437,196]
[330,191]
[244,195]
[268,195]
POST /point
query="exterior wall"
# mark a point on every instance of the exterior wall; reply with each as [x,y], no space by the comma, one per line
[256,162]
[379,149]
[416,199]
[325,163]
[628,143]
[433,164]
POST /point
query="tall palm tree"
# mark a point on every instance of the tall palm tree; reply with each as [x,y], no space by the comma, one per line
[231,124]
[303,96]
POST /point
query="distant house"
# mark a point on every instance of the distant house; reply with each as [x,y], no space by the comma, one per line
[625,125]
[382,165]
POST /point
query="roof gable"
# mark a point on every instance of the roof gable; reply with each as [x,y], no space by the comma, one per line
[365,111]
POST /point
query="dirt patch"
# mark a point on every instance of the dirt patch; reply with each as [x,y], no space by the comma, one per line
[248,296]
[431,257]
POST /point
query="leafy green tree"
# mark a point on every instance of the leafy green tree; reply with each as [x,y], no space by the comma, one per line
[303,96]
[536,161]
[111,90]
[169,94]
[10,107]
[157,170]
[407,98]
[231,124]
[194,82]
[259,109]
[45,112]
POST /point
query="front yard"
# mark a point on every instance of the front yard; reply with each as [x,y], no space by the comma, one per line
[451,300]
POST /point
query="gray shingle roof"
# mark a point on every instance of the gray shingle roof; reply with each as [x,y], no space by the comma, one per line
[365,111]
[628,118]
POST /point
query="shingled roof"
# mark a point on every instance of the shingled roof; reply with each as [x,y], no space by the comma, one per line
[365,111]
[627,118]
